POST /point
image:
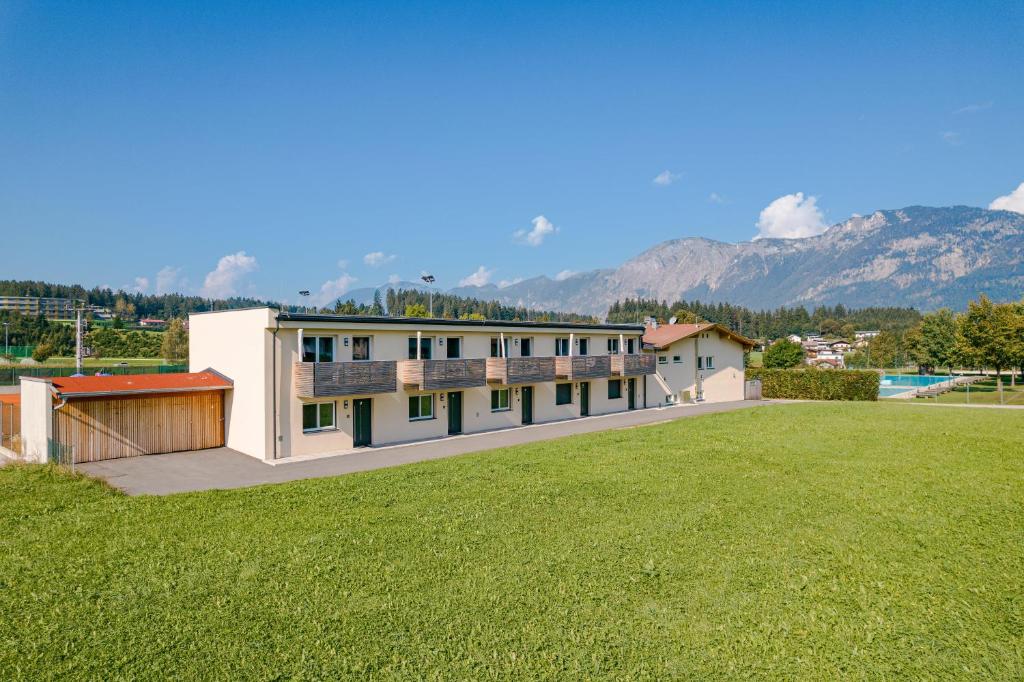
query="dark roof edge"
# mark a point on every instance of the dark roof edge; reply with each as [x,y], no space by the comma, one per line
[370,319]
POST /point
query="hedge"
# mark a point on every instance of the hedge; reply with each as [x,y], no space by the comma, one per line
[817,384]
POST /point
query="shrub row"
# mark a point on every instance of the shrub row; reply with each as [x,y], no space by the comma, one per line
[817,384]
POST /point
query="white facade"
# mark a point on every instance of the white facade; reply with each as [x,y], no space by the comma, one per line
[266,417]
[683,372]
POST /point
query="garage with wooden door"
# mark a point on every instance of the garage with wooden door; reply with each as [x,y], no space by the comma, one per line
[109,417]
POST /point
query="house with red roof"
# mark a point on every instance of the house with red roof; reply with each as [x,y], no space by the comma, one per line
[695,362]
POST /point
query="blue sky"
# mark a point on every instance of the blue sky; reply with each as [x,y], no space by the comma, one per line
[229,148]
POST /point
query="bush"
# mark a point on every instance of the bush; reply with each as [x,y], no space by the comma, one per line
[782,354]
[817,384]
[43,352]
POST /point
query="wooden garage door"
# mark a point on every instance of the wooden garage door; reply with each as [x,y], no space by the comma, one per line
[109,428]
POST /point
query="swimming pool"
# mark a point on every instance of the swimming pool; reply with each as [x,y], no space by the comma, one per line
[894,384]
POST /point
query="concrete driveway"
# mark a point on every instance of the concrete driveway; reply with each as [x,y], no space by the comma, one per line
[222,468]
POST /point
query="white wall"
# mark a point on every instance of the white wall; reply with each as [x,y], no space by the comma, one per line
[36,419]
[237,343]
[721,384]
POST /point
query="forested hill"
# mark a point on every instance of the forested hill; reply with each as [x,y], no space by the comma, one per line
[769,324]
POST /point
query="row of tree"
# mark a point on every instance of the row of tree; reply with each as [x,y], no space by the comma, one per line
[837,321]
[417,303]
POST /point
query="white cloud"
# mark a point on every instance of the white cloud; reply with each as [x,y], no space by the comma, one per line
[974,108]
[1014,201]
[665,178]
[951,138]
[477,279]
[509,282]
[167,280]
[332,289]
[564,275]
[222,281]
[139,285]
[375,258]
[342,264]
[394,279]
[716,198]
[791,217]
[535,236]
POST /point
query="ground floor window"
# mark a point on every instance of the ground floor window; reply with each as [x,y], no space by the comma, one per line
[614,388]
[318,416]
[421,407]
[499,400]
[563,394]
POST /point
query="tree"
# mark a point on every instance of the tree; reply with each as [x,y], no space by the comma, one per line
[884,350]
[848,332]
[415,310]
[933,342]
[783,354]
[830,327]
[42,352]
[175,342]
[378,305]
[986,334]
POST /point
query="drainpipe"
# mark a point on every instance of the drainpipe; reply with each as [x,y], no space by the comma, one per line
[273,353]
[419,344]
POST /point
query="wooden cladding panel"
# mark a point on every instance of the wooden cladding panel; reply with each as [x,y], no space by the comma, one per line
[329,379]
[530,370]
[583,366]
[110,428]
[633,365]
[435,375]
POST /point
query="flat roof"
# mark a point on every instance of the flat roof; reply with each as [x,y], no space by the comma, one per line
[438,321]
[124,384]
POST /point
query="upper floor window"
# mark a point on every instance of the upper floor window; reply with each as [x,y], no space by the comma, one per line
[709,362]
[630,346]
[526,347]
[360,347]
[584,346]
[426,345]
[678,359]
[562,346]
[318,349]
[700,362]
[495,343]
[613,346]
[662,359]
[454,347]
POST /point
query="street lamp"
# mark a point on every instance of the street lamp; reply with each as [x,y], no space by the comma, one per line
[305,294]
[7,344]
[429,279]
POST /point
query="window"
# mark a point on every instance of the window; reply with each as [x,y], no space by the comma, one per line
[562,347]
[426,344]
[662,359]
[421,407]
[499,400]
[700,362]
[584,346]
[360,347]
[318,349]
[563,394]
[709,362]
[494,348]
[678,359]
[613,346]
[614,389]
[454,348]
[526,347]
[630,346]
[317,417]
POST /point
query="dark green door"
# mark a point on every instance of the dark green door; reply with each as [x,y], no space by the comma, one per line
[527,404]
[454,413]
[584,398]
[631,394]
[362,417]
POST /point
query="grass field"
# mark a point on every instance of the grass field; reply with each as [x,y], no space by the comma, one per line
[983,393]
[815,541]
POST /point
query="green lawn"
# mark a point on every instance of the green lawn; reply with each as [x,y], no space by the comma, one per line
[815,541]
[984,393]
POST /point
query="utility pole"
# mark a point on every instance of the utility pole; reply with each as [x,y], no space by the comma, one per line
[78,341]
[7,343]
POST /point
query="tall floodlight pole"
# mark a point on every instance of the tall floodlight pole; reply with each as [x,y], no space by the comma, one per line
[78,341]
[304,294]
[7,343]
[429,279]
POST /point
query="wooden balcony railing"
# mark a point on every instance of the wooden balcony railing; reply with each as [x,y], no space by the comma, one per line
[583,367]
[633,365]
[326,379]
[434,375]
[511,371]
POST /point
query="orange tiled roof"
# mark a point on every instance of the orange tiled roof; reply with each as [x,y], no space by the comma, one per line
[667,334]
[207,380]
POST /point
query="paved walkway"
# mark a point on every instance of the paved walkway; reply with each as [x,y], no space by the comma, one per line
[225,468]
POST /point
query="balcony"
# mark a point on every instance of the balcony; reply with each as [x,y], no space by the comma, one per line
[511,371]
[583,367]
[329,379]
[436,375]
[633,365]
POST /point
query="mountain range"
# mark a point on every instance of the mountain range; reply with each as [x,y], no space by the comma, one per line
[916,256]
